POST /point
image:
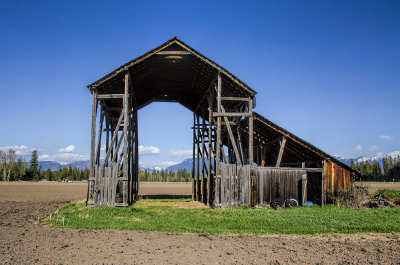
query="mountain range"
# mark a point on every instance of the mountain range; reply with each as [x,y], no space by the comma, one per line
[188,163]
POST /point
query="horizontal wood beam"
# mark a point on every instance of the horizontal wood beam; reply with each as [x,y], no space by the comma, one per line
[235,98]
[231,114]
[173,53]
[110,96]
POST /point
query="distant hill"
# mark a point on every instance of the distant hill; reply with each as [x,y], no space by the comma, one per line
[187,163]
[53,165]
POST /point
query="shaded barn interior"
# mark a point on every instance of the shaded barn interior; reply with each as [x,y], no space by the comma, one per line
[237,153]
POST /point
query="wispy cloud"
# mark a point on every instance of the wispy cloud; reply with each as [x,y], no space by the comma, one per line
[180,153]
[64,158]
[44,157]
[20,150]
[68,149]
[158,165]
[373,148]
[385,137]
[358,147]
[148,150]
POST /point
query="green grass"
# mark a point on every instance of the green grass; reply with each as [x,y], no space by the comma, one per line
[388,194]
[302,220]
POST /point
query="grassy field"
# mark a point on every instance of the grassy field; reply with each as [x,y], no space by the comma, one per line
[170,216]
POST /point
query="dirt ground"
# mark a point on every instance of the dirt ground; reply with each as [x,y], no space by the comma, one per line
[24,241]
[374,186]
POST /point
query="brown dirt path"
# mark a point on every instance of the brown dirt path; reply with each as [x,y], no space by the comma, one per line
[23,241]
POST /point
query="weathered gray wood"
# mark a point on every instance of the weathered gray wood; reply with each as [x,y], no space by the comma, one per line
[233,142]
[209,176]
[251,132]
[281,150]
[194,158]
[97,161]
[202,155]
[110,96]
[173,53]
[113,140]
[90,192]
[234,98]
[231,114]
[125,149]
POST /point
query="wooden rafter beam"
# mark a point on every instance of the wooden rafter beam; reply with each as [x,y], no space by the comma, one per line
[281,150]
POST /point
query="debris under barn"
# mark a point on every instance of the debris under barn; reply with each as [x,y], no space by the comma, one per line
[242,158]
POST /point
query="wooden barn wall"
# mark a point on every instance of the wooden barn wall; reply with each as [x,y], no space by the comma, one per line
[278,183]
[233,186]
[337,178]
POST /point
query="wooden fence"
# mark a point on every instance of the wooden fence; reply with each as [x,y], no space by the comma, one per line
[107,186]
[279,183]
[232,187]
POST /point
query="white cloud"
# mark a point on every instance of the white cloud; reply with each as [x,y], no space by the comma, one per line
[68,149]
[358,147]
[373,148]
[44,157]
[20,150]
[386,137]
[158,165]
[148,150]
[180,153]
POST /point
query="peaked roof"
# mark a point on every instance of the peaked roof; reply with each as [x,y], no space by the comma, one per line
[170,71]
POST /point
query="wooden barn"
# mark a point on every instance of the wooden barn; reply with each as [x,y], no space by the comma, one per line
[239,157]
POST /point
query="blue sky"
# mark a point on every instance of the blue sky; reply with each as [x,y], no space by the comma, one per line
[327,71]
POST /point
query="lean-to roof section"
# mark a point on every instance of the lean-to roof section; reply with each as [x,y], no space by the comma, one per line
[260,121]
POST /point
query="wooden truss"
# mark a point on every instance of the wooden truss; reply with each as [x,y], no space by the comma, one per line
[114,178]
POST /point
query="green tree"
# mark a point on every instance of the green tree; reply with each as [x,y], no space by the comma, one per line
[33,167]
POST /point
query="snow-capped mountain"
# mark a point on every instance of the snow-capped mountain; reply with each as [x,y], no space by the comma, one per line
[378,157]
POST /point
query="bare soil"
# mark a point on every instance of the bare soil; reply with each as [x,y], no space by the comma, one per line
[374,186]
[23,240]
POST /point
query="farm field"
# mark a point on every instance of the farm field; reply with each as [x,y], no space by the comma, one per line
[23,239]
[374,186]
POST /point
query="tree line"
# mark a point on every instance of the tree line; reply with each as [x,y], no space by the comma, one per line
[373,171]
[13,168]
[165,176]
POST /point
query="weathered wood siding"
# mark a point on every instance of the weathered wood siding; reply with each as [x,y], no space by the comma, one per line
[232,187]
[279,183]
[337,178]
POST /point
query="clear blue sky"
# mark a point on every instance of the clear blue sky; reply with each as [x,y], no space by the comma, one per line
[327,71]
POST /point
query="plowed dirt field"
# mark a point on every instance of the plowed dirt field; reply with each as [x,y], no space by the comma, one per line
[24,241]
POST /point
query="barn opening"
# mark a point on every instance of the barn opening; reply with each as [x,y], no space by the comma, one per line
[164,144]
[242,157]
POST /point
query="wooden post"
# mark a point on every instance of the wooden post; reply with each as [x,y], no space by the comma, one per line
[198,184]
[202,155]
[251,132]
[125,150]
[91,188]
[136,155]
[218,149]
[194,158]
[209,177]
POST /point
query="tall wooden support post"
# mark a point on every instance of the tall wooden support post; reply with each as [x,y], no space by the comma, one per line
[194,158]
[91,183]
[323,198]
[198,184]
[125,149]
[136,156]
[252,199]
[210,178]
[218,142]
[251,132]
[203,163]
